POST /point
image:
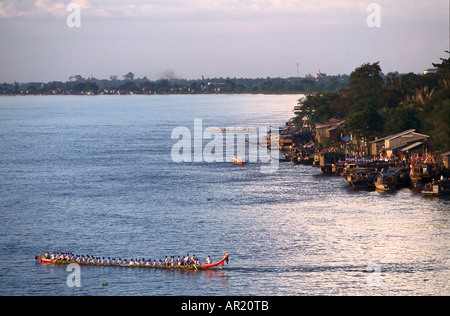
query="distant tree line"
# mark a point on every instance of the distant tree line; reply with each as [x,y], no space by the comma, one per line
[131,85]
[375,106]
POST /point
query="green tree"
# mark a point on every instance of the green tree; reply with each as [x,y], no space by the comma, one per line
[366,78]
[128,87]
[79,87]
[396,120]
[193,87]
[230,86]
[129,76]
[267,86]
[163,86]
[439,122]
[435,118]
[340,106]
[316,107]
[364,119]
[444,67]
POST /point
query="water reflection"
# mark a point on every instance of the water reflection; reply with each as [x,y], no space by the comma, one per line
[107,185]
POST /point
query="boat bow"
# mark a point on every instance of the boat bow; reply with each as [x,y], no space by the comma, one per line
[215,264]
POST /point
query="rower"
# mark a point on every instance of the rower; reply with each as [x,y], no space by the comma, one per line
[186,260]
[208,260]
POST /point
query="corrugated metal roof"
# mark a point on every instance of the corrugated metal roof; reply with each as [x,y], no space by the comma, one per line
[412,146]
[393,136]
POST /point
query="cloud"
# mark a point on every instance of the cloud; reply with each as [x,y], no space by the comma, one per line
[32,8]
[7,10]
[223,9]
[39,8]
[229,37]
[56,9]
[137,8]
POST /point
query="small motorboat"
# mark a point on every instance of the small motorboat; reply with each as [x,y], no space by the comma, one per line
[238,160]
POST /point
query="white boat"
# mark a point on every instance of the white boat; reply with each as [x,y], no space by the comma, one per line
[438,188]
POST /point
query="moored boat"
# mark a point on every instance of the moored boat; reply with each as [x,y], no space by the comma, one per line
[303,159]
[361,178]
[385,181]
[437,188]
[326,160]
[421,174]
[401,176]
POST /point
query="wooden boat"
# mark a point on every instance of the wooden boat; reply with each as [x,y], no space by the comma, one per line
[421,174]
[438,188]
[365,164]
[43,260]
[215,264]
[303,158]
[326,160]
[281,158]
[386,181]
[401,176]
[361,178]
[238,161]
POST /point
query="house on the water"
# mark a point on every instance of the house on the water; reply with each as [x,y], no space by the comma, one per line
[408,141]
[446,159]
[332,130]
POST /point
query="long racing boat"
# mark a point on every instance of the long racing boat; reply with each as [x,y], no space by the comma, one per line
[44,260]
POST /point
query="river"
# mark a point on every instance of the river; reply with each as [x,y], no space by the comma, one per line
[95,175]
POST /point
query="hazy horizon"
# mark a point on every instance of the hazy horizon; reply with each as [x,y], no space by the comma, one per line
[228,38]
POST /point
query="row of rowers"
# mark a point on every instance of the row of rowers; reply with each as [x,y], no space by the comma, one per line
[168,261]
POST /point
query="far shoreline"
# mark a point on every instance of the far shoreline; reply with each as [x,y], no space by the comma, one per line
[158,94]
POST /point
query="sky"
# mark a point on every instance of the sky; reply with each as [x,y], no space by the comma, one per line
[211,38]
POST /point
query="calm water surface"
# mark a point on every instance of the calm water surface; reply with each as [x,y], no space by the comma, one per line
[94,175]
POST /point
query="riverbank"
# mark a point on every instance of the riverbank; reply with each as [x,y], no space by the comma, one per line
[93,86]
[408,164]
